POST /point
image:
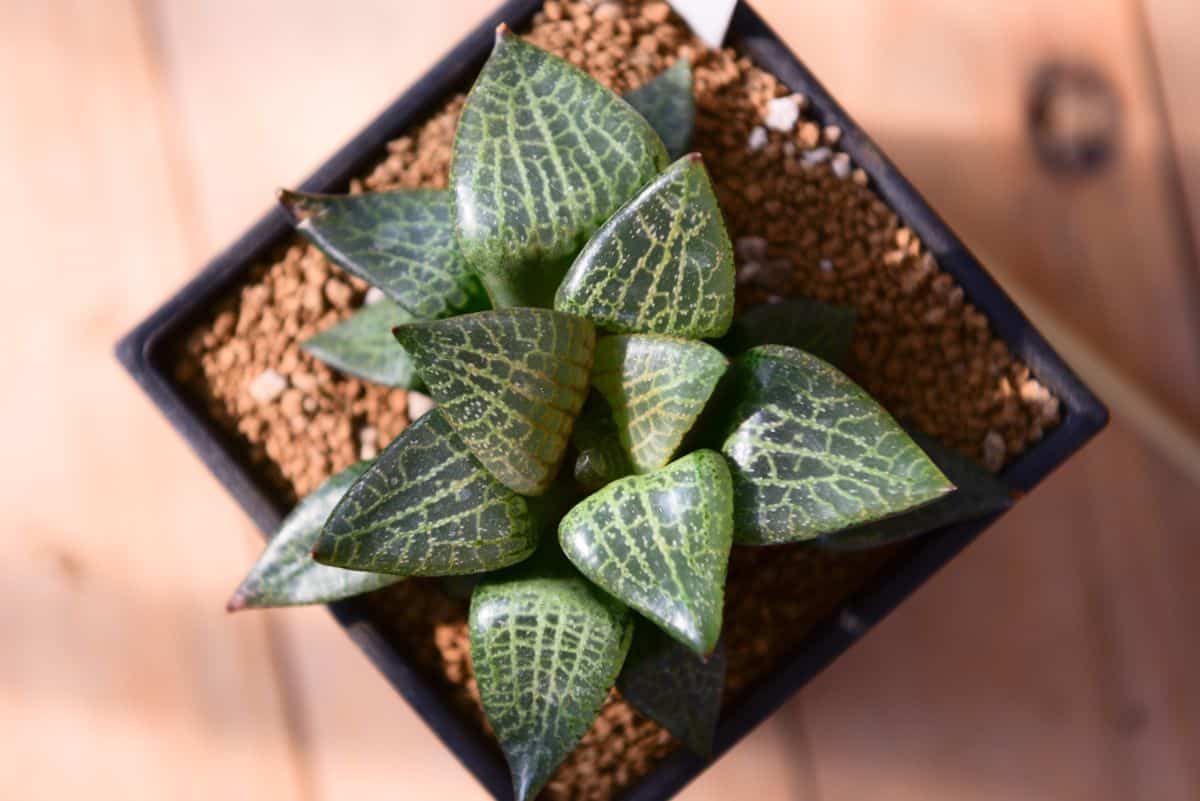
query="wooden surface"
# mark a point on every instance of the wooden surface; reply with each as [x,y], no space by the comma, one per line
[1054,660]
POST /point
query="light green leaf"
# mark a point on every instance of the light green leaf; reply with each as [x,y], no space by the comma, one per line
[363,346]
[671,685]
[511,382]
[667,102]
[287,575]
[546,647]
[400,241]
[427,507]
[825,331]
[978,494]
[811,452]
[660,542]
[663,264]
[543,155]
[600,457]
[656,387]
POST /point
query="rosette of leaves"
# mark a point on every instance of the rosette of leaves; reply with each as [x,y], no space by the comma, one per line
[590,453]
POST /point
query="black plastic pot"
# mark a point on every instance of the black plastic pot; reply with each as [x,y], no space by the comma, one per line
[145,354]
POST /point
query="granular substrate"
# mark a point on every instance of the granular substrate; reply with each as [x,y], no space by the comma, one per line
[805,221]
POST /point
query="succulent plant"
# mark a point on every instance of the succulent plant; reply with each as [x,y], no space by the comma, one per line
[589,452]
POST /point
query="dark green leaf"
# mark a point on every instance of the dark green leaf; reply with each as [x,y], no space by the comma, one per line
[820,329]
[671,685]
[401,241]
[543,156]
[600,457]
[363,346]
[656,387]
[668,104]
[427,507]
[978,494]
[546,647]
[287,575]
[660,542]
[663,264]
[811,452]
[511,382]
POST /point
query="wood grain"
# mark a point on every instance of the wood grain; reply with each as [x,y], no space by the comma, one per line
[1053,660]
[1172,27]
[121,677]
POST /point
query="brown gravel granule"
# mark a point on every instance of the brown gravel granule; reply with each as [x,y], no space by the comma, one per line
[805,222]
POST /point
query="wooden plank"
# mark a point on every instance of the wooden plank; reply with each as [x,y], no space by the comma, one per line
[1045,663]
[943,87]
[1050,661]
[122,676]
[1174,29]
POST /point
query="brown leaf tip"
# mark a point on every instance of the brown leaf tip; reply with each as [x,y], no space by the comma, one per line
[695,158]
[293,203]
[502,32]
[237,602]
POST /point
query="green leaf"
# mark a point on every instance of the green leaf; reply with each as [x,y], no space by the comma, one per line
[511,382]
[978,494]
[656,387]
[663,264]
[427,507]
[600,458]
[400,241]
[811,452]
[671,685]
[363,346]
[287,575]
[820,329]
[546,647]
[660,542]
[543,155]
[667,103]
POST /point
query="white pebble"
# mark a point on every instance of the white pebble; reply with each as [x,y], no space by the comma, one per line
[782,113]
[994,451]
[748,272]
[368,451]
[842,166]
[267,386]
[758,139]
[368,434]
[750,248]
[374,295]
[816,156]
[826,266]
[418,404]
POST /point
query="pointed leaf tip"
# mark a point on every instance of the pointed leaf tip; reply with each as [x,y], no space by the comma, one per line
[660,542]
[287,575]
[510,382]
[401,241]
[502,32]
[547,647]
[671,685]
[427,507]
[363,346]
[811,452]
[656,387]
[663,264]
[521,234]
[668,103]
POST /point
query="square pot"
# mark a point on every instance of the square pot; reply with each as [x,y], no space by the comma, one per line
[145,353]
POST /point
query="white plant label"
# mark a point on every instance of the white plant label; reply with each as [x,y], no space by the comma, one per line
[708,19]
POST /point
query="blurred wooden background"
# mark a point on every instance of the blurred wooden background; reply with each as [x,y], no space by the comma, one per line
[1056,659]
